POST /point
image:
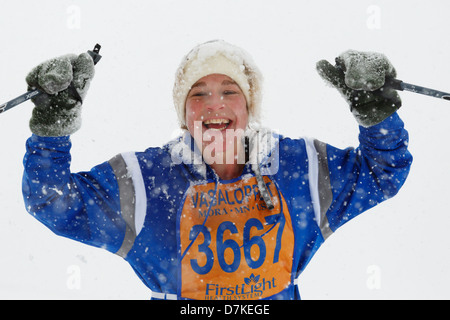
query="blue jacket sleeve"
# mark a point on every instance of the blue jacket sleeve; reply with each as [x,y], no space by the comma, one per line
[363,177]
[84,206]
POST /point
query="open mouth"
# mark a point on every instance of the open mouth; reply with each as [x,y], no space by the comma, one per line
[217,124]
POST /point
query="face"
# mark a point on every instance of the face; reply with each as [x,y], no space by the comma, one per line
[216,109]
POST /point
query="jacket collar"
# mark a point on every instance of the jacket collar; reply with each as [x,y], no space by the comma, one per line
[263,153]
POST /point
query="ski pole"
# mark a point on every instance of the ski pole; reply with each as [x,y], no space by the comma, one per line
[401,86]
[30,94]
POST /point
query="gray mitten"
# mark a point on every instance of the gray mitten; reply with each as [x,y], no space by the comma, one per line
[64,82]
[360,77]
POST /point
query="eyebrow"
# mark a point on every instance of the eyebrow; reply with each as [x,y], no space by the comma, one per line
[198,84]
[202,84]
[228,82]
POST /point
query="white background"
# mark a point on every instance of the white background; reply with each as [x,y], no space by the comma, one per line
[398,250]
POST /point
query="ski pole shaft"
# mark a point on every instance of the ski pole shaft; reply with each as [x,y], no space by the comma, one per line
[95,54]
[16,101]
[403,86]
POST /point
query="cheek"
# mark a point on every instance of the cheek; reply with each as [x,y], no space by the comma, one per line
[241,113]
[193,112]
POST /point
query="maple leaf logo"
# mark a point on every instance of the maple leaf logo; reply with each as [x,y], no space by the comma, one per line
[251,279]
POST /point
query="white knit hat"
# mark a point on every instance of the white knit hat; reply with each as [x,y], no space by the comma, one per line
[218,57]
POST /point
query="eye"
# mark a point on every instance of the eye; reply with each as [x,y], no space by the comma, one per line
[198,94]
[229,92]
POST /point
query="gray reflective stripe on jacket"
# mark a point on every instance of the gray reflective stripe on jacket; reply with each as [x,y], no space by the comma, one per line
[133,202]
[319,183]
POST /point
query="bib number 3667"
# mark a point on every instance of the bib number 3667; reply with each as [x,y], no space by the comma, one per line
[225,246]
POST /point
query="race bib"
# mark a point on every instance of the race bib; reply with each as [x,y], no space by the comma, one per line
[232,246]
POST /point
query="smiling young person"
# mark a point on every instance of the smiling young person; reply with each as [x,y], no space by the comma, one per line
[229,210]
[216,106]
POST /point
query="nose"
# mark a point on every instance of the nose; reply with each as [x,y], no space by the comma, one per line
[215,102]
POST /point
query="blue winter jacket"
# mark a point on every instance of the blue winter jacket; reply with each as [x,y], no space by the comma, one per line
[190,235]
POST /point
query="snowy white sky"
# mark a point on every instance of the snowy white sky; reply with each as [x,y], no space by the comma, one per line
[399,250]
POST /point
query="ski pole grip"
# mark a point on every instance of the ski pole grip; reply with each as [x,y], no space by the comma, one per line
[95,53]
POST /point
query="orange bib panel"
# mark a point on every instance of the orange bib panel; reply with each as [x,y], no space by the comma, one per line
[232,246]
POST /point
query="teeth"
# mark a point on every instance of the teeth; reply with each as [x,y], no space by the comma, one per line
[223,123]
[217,121]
